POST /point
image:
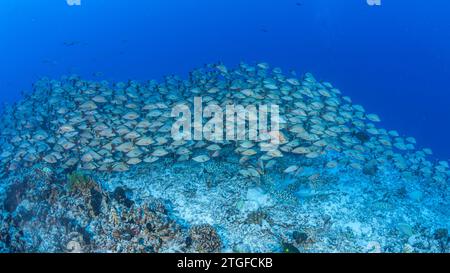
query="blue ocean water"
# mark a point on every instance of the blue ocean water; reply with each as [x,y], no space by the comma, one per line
[393,59]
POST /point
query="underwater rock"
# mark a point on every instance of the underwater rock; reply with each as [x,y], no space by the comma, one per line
[158,206]
[257,217]
[96,202]
[74,247]
[188,242]
[24,212]
[14,195]
[300,237]
[441,234]
[121,197]
[256,198]
[407,248]
[289,248]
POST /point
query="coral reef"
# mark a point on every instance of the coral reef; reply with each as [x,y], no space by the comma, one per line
[44,216]
[205,239]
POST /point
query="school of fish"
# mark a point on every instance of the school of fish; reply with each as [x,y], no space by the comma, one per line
[75,124]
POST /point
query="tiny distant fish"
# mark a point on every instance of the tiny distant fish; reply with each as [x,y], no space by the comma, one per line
[71,43]
[71,69]
[50,62]
[73,2]
[97,74]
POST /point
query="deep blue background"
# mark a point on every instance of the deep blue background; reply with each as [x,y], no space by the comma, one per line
[392,59]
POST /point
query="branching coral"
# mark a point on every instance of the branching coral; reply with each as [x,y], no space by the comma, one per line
[205,239]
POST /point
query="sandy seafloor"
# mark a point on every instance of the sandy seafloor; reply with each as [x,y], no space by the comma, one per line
[315,210]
